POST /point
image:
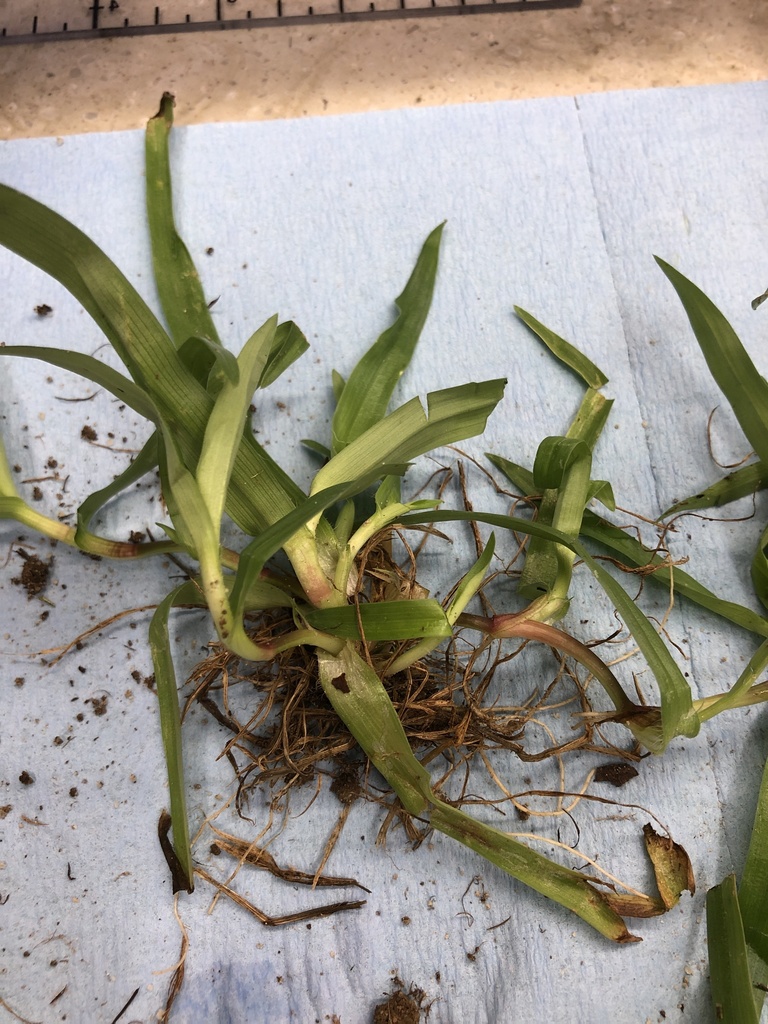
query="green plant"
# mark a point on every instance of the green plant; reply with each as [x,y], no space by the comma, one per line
[197,396]
[736,921]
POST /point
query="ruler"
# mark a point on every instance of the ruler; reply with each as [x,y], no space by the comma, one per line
[51,21]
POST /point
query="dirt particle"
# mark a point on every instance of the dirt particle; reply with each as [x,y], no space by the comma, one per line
[73,792]
[43,309]
[5,810]
[99,705]
[209,251]
[346,785]
[34,574]
[398,1009]
[37,494]
[52,463]
[26,779]
[19,681]
[88,433]
[136,536]
[139,679]
[616,774]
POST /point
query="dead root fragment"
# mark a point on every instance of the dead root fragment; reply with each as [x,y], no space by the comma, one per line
[276,922]
[250,853]
[16,1016]
[179,968]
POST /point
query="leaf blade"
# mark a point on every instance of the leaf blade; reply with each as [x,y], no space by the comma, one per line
[178,282]
[365,396]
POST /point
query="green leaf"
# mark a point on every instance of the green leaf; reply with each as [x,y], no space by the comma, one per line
[554,457]
[454,414]
[338,384]
[92,369]
[364,399]
[190,515]
[631,552]
[728,361]
[170,723]
[60,249]
[316,448]
[759,568]
[384,620]
[601,490]
[181,295]
[730,978]
[591,417]
[289,343]
[518,475]
[144,463]
[388,492]
[747,480]
[227,419]
[209,362]
[568,354]
[562,473]
[753,891]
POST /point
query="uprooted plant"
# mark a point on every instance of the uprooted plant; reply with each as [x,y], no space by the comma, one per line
[346,614]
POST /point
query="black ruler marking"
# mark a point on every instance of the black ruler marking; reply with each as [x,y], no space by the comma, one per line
[281,17]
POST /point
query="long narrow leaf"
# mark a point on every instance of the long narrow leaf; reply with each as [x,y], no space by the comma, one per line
[384,620]
[227,419]
[144,463]
[747,480]
[369,388]
[728,361]
[170,726]
[631,552]
[567,353]
[728,957]
[92,369]
[753,891]
[178,283]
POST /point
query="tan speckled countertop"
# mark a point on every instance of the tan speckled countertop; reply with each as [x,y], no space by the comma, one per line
[102,84]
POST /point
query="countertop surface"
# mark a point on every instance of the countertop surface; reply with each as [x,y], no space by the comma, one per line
[100,85]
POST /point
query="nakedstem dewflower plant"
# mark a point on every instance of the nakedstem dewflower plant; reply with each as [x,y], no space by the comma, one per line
[197,396]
